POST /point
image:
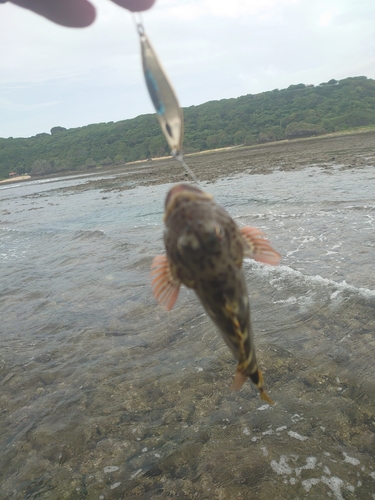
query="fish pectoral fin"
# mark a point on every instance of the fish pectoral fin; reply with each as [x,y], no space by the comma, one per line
[165,286]
[258,247]
[238,381]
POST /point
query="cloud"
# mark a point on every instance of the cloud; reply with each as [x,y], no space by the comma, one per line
[211,49]
[325,19]
[6,104]
[208,9]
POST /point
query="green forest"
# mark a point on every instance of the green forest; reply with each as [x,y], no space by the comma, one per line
[298,111]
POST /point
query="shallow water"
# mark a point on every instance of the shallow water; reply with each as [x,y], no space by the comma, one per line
[105,396]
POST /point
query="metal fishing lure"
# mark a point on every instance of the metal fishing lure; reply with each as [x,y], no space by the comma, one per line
[164,99]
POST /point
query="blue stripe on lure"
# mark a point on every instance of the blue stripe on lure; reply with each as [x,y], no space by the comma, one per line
[154,92]
[169,112]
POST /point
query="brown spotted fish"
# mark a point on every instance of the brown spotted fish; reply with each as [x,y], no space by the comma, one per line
[205,250]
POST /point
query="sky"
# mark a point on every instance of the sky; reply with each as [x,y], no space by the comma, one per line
[211,49]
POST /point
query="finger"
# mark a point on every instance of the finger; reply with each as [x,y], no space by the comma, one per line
[71,13]
[135,5]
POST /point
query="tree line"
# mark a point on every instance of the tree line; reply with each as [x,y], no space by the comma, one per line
[298,111]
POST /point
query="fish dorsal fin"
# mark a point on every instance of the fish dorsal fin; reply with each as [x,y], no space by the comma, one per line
[164,286]
[258,247]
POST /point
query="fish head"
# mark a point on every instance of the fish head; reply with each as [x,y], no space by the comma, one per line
[183,192]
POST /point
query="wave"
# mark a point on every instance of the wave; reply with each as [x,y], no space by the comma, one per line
[9,186]
[286,272]
[87,234]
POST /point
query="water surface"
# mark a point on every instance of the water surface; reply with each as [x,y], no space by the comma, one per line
[106,396]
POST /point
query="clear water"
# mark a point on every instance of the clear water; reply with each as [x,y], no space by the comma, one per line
[104,395]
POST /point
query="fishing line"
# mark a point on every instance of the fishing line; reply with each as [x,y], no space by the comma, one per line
[180,158]
[168,110]
[138,21]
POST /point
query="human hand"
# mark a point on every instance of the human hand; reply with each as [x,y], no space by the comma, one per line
[75,13]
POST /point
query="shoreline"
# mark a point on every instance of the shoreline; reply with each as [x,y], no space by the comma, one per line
[344,152]
[326,150]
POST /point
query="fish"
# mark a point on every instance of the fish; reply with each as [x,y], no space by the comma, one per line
[205,249]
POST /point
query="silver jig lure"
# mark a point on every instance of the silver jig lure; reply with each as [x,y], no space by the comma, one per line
[164,99]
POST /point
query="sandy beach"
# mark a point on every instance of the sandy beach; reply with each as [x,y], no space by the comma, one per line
[18,178]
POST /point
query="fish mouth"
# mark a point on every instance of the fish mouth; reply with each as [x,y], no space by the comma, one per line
[183,190]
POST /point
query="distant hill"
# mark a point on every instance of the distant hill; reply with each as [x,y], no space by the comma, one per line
[298,111]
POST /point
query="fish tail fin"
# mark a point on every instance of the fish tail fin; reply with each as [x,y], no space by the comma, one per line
[260,384]
[265,397]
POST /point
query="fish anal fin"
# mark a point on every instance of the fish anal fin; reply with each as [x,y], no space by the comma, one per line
[238,381]
[258,247]
[164,286]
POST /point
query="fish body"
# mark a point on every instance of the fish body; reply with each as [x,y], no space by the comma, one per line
[204,251]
